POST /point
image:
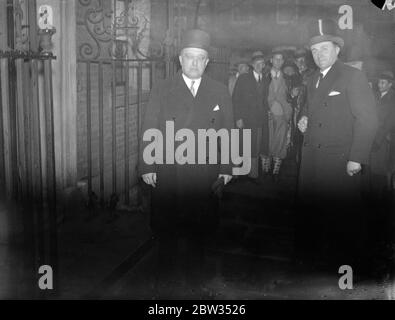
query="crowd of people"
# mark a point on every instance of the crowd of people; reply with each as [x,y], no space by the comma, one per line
[338,125]
[328,117]
[268,93]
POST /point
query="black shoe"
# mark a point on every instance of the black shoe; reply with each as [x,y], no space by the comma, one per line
[276,178]
[255,181]
[265,175]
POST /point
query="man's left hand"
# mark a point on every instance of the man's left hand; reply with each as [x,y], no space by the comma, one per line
[226,177]
[353,168]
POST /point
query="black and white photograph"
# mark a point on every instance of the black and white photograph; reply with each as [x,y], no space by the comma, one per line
[197,150]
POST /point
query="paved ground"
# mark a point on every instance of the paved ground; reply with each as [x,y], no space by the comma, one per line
[252,257]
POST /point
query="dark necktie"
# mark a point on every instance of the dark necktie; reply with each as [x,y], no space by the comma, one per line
[192,88]
[319,80]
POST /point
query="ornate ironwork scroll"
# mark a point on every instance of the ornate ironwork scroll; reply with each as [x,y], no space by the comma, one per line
[94,27]
[115,29]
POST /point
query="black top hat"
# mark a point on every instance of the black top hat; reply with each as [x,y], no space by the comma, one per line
[195,38]
[324,30]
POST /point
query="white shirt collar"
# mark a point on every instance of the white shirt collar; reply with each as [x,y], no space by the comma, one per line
[275,73]
[326,71]
[188,82]
[256,75]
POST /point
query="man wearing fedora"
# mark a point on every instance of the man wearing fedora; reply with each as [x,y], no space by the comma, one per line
[382,164]
[339,126]
[251,111]
[380,156]
[184,207]
[304,70]
[241,67]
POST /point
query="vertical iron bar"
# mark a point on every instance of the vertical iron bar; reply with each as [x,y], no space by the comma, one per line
[114,129]
[138,116]
[152,74]
[2,163]
[50,161]
[33,34]
[5,96]
[10,24]
[37,168]
[101,133]
[12,99]
[126,125]
[29,216]
[21,151]
[27,129]
[89,126]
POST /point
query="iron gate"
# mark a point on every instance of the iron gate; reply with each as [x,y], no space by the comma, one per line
[27,172]
[118,63]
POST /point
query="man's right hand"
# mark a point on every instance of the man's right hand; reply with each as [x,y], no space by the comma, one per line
[150,179]
[302,124]
[240,124]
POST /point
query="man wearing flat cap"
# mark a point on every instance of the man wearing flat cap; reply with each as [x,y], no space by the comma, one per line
[251,112]
[183,203]
[339,126]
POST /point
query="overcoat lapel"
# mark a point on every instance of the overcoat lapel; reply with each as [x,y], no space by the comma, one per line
[181,102]
[252,81]
[326,85]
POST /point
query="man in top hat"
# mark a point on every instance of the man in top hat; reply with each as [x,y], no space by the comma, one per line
[183,203]
[339,127]
[251,111]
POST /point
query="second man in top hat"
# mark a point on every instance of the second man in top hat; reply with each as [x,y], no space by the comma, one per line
[339,125]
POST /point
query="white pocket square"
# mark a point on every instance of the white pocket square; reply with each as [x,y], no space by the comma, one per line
[334,93]
[217,108]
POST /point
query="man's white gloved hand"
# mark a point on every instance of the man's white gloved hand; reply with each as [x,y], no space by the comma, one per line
[226,177]
[353,168]
[150,179]
[302,124]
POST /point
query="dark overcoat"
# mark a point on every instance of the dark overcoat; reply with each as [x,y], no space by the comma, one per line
[342,124]
[380,156]
[183,192]
[250,104]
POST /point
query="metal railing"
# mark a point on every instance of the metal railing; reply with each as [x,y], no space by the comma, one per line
[111,98]
[27,171]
